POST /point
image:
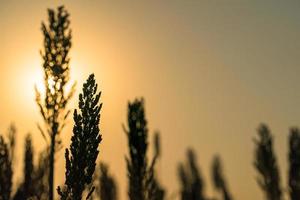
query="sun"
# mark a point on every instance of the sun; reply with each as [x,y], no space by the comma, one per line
[27,74]
[32,77]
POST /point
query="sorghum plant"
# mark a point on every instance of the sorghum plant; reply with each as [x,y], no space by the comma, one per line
[83,152]
[26,188]
[294,162]
[57,43]
[190,178]
[153,187]
[5,171]
[218,178]
[107,184]
[137,142]
[143,184]
[266,164]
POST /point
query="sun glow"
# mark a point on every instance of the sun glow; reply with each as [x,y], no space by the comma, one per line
[31,77]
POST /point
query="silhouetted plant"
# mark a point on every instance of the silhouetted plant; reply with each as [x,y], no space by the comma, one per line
[197,182]
[143,184]
[11,144]
[107,189]
[40,176]
[154,189]
[294,162]
[83,152]
[39,180]
[184,181]
[28,168]
[26,189]
[12,133]
[266,164]
[5,171]
[57,43]
[190,179]
[218,178]
[137,142]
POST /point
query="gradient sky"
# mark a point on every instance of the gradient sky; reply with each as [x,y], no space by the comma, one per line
[210,72]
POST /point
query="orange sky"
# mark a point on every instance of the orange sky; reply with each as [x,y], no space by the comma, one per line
[210,72]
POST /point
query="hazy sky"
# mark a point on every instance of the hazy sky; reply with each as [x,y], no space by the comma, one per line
[210,72]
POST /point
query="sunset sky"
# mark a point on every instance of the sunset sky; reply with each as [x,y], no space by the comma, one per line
[210,72]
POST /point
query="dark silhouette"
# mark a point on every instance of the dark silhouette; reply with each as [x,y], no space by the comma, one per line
[41,174]
[141,178]
[26,189]
[28,168]
[190,179]
[107,189]
[6,172]
[294,161]
[57,43]
[154,188]
[12,134]
[137,142]
[219,180]
[7,150]
[184,182]
[83,152]
[266,164]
